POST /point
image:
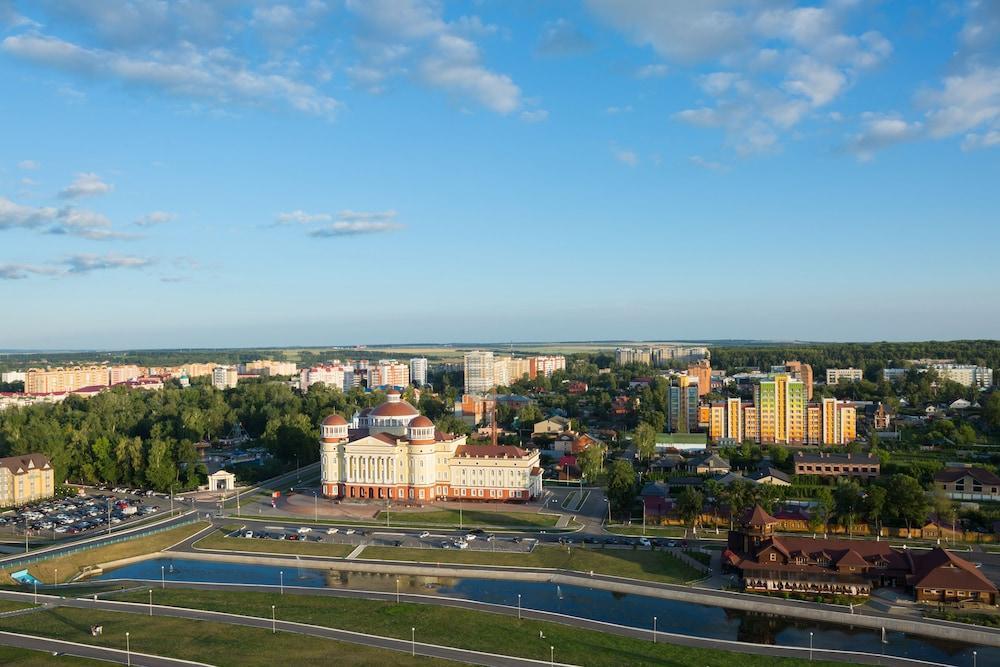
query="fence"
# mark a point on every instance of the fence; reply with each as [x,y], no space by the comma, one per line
[108,541]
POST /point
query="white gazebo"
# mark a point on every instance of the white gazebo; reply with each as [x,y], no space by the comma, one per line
[222,480]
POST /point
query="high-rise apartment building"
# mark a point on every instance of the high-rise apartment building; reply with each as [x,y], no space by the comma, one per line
[702,369]
[839,422]
[967,374]
[418,371]
[388,373]
[659,355]
[682,405]
[781,403]
[835,375]
[501,371]
[334,375]
[546,365]
[518,367]
[798,371]
[57,380]
[479,367]
[268,367]
[224,377]
[119,374]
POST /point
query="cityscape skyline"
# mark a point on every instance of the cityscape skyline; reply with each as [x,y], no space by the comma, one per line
[238,176]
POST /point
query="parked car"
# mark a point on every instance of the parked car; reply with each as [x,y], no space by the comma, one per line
[304,529]
[644,542]
[424,535]
[248,533]
[332,531]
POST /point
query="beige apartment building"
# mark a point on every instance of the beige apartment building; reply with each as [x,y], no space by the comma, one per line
[26,478]
[51,380]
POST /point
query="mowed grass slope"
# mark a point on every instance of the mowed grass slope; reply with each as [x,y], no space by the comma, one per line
[213,643]
[480,631]
[218,540]
[71,565]
[637,564]
[471,519]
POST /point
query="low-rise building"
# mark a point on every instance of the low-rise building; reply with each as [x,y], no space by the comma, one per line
[551,426]
[968,484]
[835,375]
[713,464]
[25,479]
[865,466]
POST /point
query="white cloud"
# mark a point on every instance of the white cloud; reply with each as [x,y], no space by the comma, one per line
[880,131]
[300,217]
[964,102]
[536,116]
[615,110]
[215,74]
[397,31]
[86,263]
[85,185]
[29,165]
[777,63]
[655,71]
[21,271]
[17,215]
[562,38]
[626,156]
[706,164]
[154,218]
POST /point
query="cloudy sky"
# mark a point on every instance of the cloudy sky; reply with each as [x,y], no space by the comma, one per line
[342,171]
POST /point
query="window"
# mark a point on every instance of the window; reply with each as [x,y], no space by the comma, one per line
[774,557]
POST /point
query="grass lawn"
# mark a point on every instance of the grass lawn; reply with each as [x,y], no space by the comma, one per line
[471,519]
[665,531]
[69,566]
[14,605]
[637,564]
[22,657]
[475,630]
[218,540]
[700,556]
[214,643]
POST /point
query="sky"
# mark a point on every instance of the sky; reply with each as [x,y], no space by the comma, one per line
[328,172]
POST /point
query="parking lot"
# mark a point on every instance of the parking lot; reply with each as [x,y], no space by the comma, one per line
[476,540]
[75,515]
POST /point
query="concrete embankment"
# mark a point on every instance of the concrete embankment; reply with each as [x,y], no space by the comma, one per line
[738,601]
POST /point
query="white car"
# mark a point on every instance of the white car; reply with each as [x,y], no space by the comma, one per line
[349,531]
[644,542]
[332,531]
[249,533]
[470,537]
[461,545]
[424,535]
[304,529]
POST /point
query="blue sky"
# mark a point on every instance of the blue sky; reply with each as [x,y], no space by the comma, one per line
[335,172]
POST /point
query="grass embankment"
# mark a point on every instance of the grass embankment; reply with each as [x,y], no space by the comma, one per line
[989,620]
[700,556]
[22,657]
[665,531]
[14,605]
[71,565]
[637,564]
[218,540]
[214,643]
[480,631]
[471,519]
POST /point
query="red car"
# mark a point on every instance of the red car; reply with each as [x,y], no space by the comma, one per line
[293,536]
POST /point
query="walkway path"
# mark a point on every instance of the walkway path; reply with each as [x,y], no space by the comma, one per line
[356,552]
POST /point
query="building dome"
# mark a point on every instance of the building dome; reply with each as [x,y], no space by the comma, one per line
[421,422]
[333,428]
[420,431]
[394,407]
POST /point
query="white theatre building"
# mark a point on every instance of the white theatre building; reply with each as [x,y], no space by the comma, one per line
[393,452]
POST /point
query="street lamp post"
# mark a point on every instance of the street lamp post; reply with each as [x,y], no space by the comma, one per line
[128,650]
[36,591]
[315,507]
[273,628]
[552,655]
[973,659]
[56,577]
[413,641]
[810,646]
[281,580]
[519,606]
[163,578]
[654,629]
[397,590]
[150,601]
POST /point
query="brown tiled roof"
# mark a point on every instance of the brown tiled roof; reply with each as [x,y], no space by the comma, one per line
[939,568]
[387,438]
[334,420]
[978,474]
[19,465]
[851,558]
[491,451]
[400,409]
[421,422]
[758,517]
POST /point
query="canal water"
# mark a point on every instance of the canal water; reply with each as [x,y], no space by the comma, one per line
[624,609]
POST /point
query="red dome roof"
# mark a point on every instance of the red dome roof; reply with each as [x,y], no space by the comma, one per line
[393,392]
[334,420]
[397,409]
[421,422]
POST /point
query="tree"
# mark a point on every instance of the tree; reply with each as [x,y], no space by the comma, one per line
[824,507]
[848,503]
[689,505]
[991,410]
[591,461]
[621,485]
[874,505]
[645,440]
[906,499]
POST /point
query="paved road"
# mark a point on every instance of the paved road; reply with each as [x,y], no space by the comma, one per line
[57,646]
